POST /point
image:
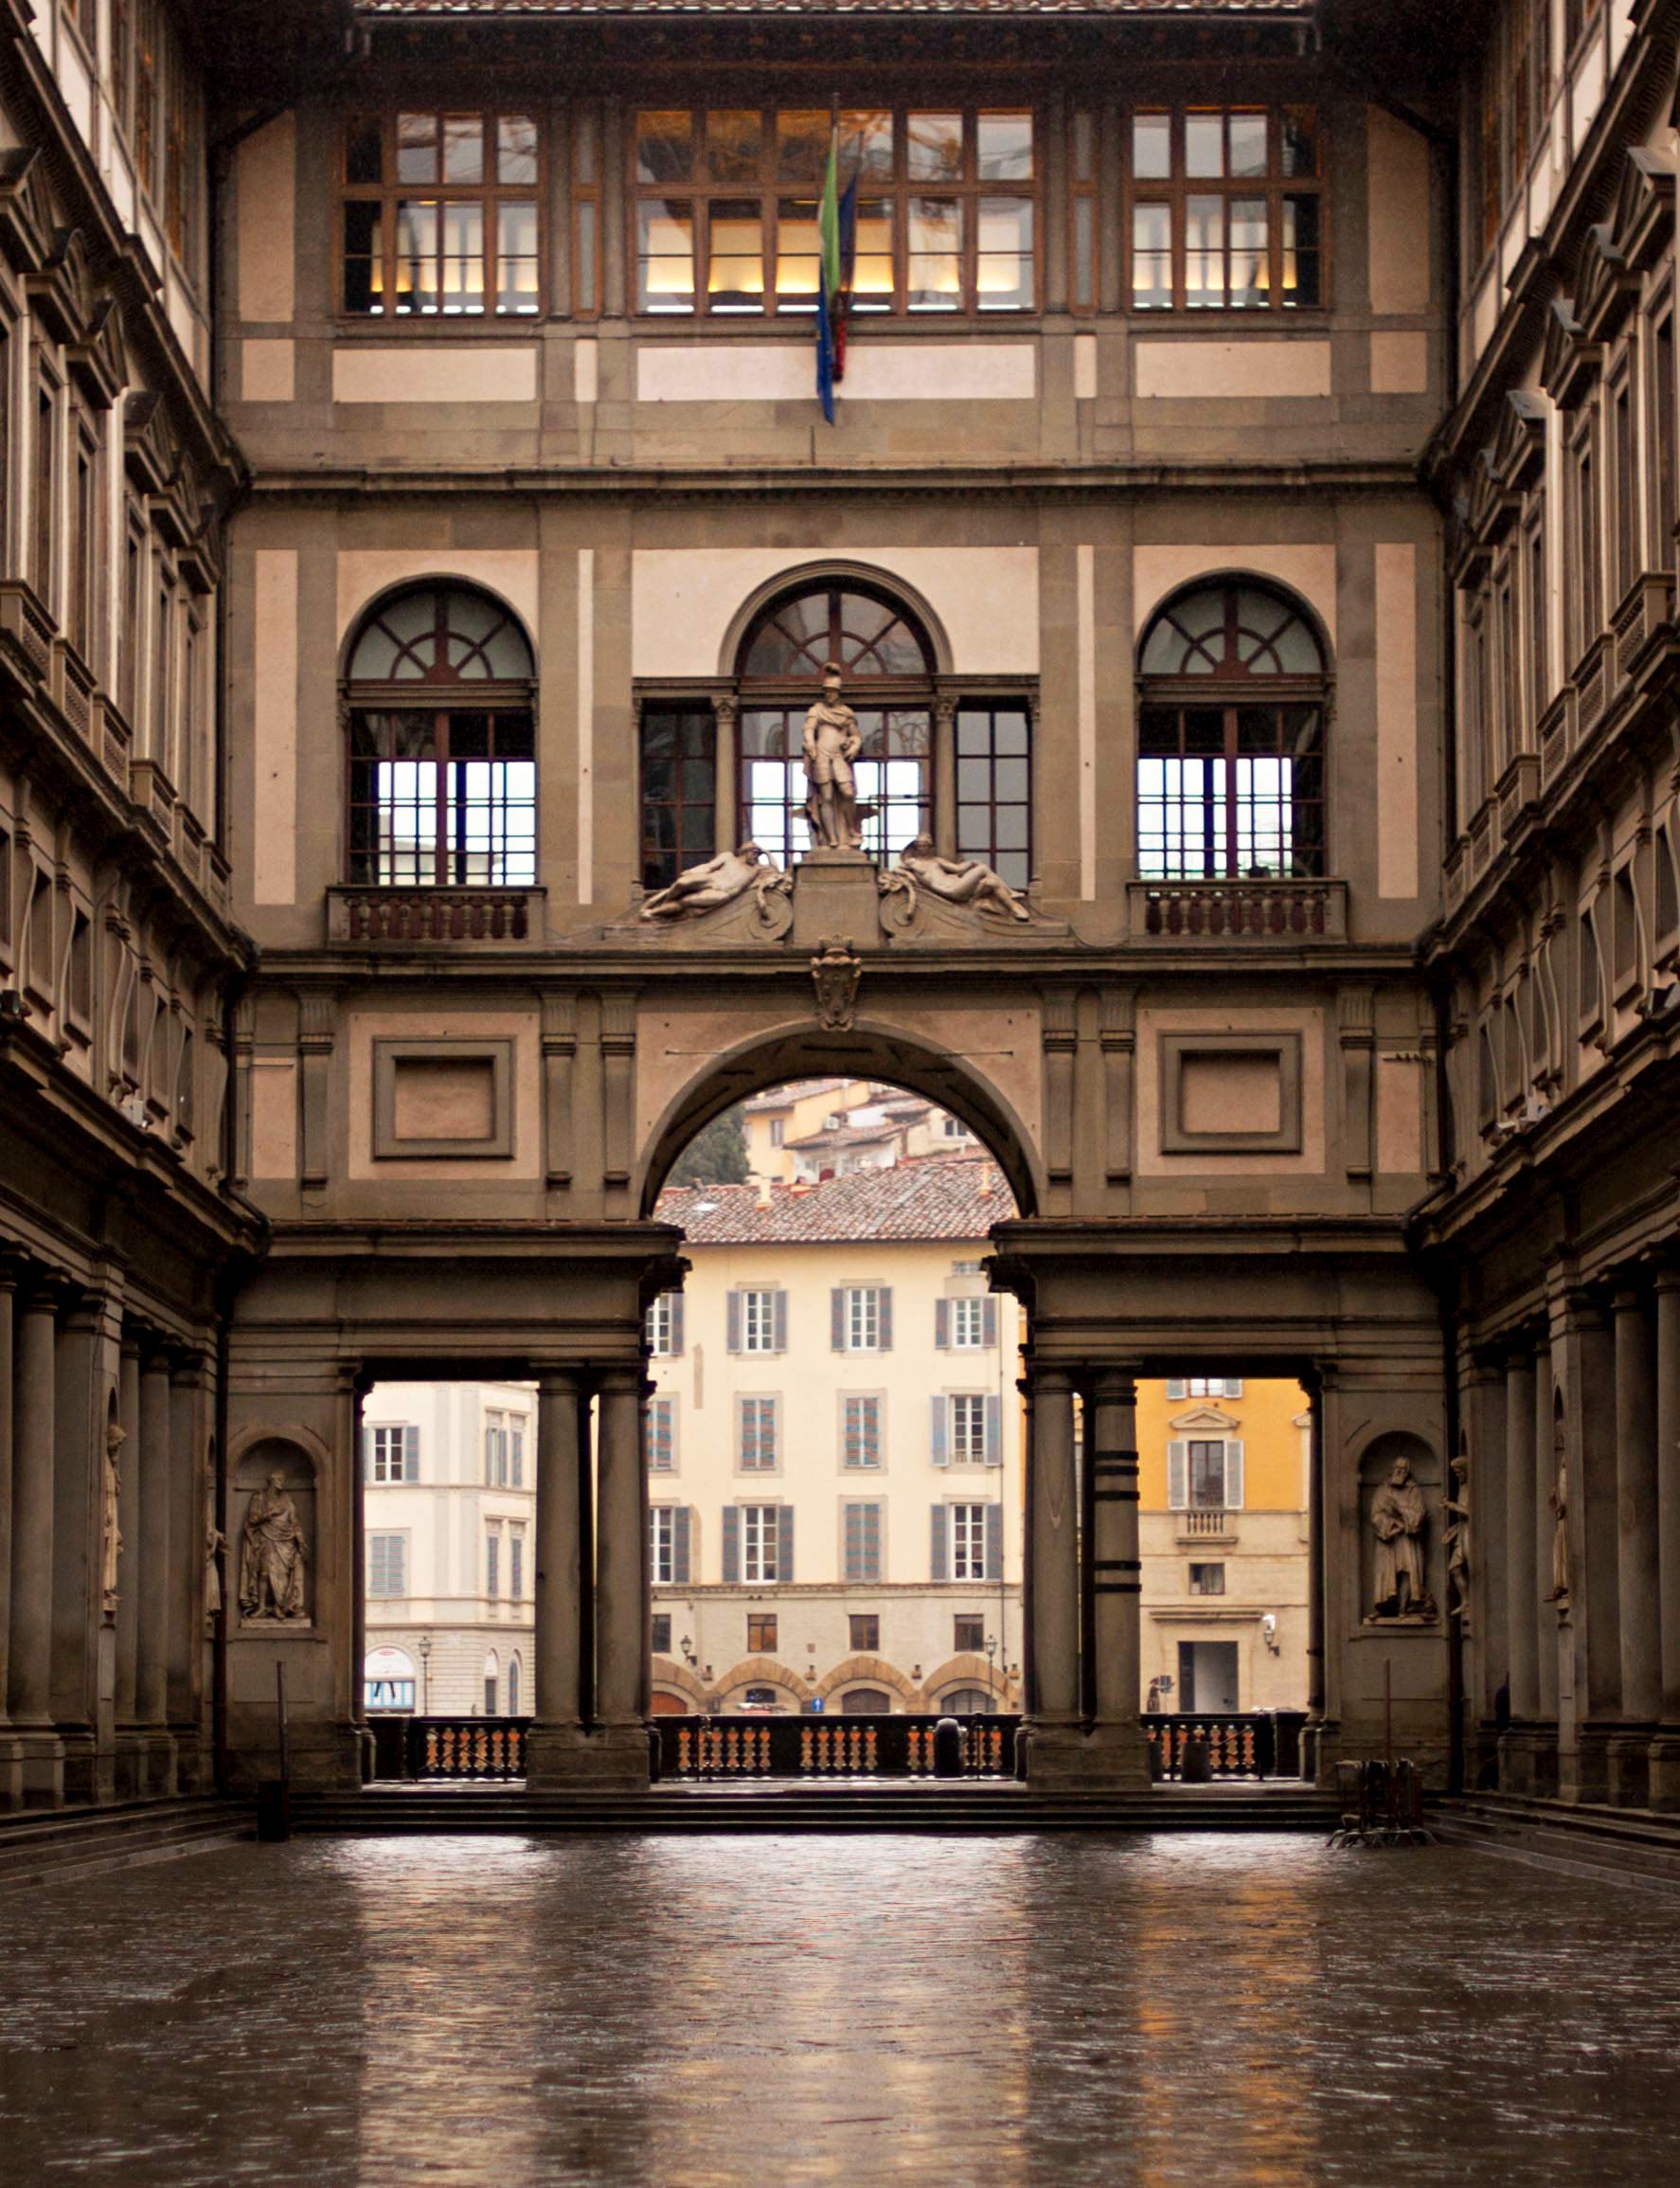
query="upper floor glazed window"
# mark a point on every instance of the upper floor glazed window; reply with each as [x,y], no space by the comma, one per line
[726,209]
[440,214]
[1226,209]
[1230,765]
[443,774]
[1515,84]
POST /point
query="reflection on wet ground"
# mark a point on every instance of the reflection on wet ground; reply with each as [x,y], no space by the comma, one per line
[1208,2010]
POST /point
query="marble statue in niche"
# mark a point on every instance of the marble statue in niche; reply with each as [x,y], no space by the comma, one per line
[111,1534]
[831,742]
[272,1555]
[1558,1497]
[1456,1538]
[1399,1514]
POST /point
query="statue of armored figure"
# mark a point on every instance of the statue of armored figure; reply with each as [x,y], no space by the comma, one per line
[831,742]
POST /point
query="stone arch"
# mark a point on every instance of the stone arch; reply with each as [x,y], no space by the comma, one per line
[1315,606]
[677,1679]
[829,570]
[354,615]
[762,1672]
[865,1671]
[870,1050]
[967,1669]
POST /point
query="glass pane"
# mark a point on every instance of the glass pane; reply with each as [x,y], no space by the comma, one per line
[1301,141]
[1203,253]
[797,253]
[1158,730]
[1248,144]
[1008,730]
[1009,782]
[417,147]
[463,147]
[1250,269]
[734,275]
[583,271]
[1203,144]
[933,147]
[974,780]
[933,271]
[1271,637]
[1084,251]
[363,259]
[1003,147]
[516,256]
[664,147]
[463,258]
[1152,257]
[871,272]
[802,147]
[1203,729]
[865,145]
[1004,265]
[735,145]
[1301,251]
[417,256]
[364,153]
[666,256]
[516,149]
[1151,146]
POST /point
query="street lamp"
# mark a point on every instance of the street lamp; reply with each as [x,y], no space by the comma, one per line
[990,1690]
[425,1658]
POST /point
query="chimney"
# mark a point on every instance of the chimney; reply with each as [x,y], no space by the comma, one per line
[763,1182]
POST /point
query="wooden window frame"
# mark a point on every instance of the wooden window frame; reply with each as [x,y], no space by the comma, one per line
[900,191]
[488,195]
[1085,221]
[867,1439]
[762,1628]
[1662,406]
[1585,510]
[870,1572]
[863,1632]
[1536,610]
[1176,188]
[1622,418]
[587,235]
[661,864]
[962,1534]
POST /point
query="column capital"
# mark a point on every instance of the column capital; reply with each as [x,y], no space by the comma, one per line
[559,1382]
[1047,1377]
[1114,1386]
[620,1381]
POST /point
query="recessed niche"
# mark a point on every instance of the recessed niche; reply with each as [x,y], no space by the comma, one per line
[1230,1093]
[437,1099]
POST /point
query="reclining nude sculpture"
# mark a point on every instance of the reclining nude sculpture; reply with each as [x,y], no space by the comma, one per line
[964,881]
[717,881]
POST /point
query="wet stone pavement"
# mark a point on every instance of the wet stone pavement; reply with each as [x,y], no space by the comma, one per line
[1208,2010]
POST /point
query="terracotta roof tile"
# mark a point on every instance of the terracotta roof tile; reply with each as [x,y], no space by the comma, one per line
[934,1197]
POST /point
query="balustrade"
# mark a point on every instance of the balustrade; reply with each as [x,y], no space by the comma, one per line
[1262,1746]
[466,1748]
[875,1747]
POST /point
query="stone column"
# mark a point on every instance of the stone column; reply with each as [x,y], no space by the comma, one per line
[727,822]
[189,1447]
[150,1569]
[1487,1640]
[1665,1749]
[1116,1742]
[1546,1612]
[1636,1546]
[944,828]
[555,1735]
[1520,1606]
[128,1595]
[83,1632]
[1053,1663]
[621,1580]
[1310,1732]
[1594,1577]
[34,1445]
[12,1760]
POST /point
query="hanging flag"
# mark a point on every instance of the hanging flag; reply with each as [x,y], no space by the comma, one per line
[836,233]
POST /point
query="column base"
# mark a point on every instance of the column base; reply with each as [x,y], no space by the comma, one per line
[83,1768]
[1108,1758]
[157,1765]
[1663,1770]
[1583,1764]
[12,1771]
[129,1757]
[565,1759]
[42,1757]
[1629,1758]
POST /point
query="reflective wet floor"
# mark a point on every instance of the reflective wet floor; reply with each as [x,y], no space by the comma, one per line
[1213,2009]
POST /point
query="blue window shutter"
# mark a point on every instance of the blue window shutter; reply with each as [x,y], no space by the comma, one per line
[995,1432]
[989,1322]
[994,1542]
[937,1444]
[682,1536]
[1233,1474]
[784,1544]
[873,1542]
[676,1324]
[731,1546]
[779,1321]
[838,1320]
[938,1561]
[883,1319]
[1178,1472]
[941,1325]
[853,1544]
[411,1454]
[732,1321]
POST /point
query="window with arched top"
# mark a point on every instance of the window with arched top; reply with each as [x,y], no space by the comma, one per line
[440,687]
[1234,686]
[492,1678]
[513,1687]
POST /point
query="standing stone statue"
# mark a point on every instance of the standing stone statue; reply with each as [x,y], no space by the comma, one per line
[1558,1497]
[111,1534]
[1456,1538]
[832,742]
[271,1554]
[1398,1514]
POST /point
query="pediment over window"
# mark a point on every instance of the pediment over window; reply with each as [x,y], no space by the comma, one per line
[60,290]
[25,211]
[1643,222]
[98,363]
[1519,448]
[1201,1419]
[1569,361]
[1607,289]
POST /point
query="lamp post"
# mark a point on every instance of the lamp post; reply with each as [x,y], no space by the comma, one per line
[425,1658]
[990,1690]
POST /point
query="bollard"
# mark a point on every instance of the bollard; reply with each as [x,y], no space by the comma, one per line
[947,1748]
[1195,1761]
[274,1811]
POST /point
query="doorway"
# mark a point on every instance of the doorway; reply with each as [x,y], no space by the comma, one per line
[1207,1677]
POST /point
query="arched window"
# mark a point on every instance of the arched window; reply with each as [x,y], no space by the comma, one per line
[966,1702]
[442,754]
[1230,743]
[492,1672]
[887,664]
[513,1687]
[865,1702]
